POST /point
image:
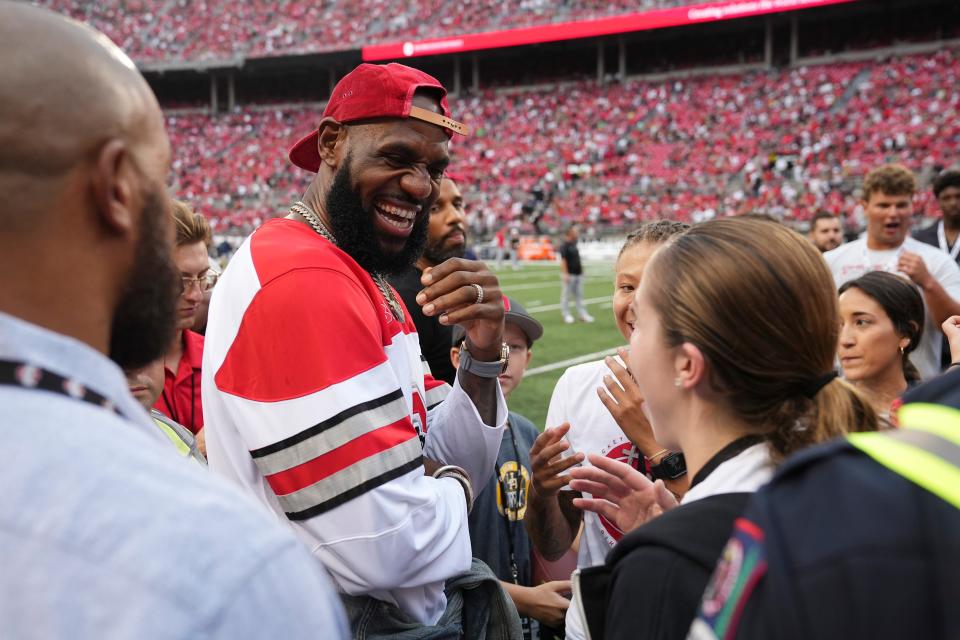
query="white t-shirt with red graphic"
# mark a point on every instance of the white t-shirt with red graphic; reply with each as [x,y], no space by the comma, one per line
[592,430]
[314,398]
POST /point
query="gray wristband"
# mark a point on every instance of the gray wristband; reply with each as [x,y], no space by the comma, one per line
[484,369]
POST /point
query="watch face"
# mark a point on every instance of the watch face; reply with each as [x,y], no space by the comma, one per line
[675,465]
[671,467]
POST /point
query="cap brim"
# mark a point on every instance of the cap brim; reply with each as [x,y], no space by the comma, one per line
[305,153]
[442,121]
[528,325]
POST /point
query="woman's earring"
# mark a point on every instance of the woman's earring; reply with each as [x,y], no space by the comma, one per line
[677,383]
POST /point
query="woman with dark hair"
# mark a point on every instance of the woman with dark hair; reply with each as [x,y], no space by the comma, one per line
[733,350]
[881,323]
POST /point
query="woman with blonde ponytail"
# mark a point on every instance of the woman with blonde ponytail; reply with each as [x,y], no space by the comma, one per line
[733,352]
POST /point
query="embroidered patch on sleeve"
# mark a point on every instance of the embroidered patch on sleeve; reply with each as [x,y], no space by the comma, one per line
[738,571]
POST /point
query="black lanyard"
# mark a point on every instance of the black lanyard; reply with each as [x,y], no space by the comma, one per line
[29,376]
[508,525]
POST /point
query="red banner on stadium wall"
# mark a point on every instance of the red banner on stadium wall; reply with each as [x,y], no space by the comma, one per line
[659,19]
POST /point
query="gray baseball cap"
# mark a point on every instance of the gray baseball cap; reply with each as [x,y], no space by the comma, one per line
[515,314]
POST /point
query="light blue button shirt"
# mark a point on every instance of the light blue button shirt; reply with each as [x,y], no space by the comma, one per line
[106,533]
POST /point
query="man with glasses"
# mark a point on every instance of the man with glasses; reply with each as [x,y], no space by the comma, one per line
[180,399]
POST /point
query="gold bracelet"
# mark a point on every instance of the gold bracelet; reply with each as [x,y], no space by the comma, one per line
[657,455]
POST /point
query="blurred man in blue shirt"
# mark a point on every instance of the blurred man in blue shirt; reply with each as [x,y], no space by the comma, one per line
[104,530]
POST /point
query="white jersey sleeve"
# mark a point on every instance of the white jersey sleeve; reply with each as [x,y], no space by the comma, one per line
[458,436]
[308,410]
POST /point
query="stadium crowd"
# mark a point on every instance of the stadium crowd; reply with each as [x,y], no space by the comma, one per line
[266,451]
[210,30]
[783,142]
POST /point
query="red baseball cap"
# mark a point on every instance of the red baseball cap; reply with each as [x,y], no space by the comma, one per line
[377,91]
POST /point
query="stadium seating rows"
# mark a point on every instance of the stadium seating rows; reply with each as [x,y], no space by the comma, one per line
[782,142]
[199,30]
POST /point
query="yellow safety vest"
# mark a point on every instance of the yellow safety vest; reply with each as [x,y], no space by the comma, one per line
[925,450]
[182,448]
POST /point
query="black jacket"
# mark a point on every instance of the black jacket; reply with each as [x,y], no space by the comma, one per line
[845,549]
[651,584]
[928,235]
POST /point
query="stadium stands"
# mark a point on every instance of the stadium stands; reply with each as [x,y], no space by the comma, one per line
[199,30]
[785,142]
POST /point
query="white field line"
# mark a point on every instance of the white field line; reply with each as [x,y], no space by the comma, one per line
[563,364]
[556,307]
[599,270]
[506,286]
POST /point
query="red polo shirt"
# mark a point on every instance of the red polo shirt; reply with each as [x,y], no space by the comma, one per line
[180,399]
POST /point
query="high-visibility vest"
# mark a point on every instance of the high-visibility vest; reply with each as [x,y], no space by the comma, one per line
[925,449]
[179,436]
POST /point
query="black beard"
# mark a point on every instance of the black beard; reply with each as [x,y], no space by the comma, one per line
[435,253]
[145,320]
[354,229]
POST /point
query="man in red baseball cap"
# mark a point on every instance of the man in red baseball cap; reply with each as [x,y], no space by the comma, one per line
[318,401]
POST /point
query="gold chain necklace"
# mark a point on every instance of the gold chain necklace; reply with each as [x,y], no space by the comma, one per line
[378,278]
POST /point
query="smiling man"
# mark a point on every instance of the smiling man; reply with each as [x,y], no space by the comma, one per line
[316,399]
[446,238]
[888,202]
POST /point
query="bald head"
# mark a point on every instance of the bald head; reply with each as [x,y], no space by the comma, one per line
[85,233]
[65,90]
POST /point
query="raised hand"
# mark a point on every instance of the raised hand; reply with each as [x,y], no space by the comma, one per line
[623,495]
[621,396]
[951,329]
[548,466]
[913,266]
[451,291]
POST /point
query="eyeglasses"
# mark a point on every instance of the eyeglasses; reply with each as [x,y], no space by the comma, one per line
[204,282]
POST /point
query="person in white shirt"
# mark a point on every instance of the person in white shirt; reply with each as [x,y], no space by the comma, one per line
[595,408]
[887,201]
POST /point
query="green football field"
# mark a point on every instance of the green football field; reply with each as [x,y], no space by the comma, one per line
[537,287]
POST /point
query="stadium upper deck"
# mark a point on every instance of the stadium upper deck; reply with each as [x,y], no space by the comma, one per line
[199,30]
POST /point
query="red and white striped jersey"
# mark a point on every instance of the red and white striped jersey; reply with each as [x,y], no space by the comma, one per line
[317,403]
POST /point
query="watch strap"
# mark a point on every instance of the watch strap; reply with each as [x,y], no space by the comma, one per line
[484,369]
